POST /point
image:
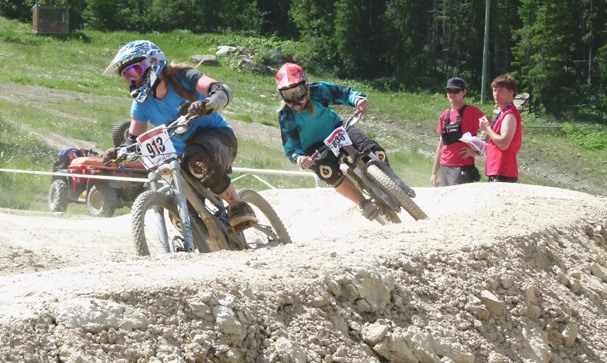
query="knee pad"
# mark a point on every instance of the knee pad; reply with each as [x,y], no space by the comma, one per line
[381,154]
[329,173]
[206,169]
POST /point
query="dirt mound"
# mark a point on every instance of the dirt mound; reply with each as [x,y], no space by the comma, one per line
[499,273]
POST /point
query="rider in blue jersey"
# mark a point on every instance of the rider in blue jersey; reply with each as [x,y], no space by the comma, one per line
[162,93]
[306,120]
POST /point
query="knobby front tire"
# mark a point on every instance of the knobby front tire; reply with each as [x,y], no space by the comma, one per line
[270,230]
[391,187]
[157,228]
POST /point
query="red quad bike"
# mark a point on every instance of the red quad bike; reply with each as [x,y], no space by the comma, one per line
[102,196]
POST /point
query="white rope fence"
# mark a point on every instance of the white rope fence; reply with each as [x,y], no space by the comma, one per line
[247,171]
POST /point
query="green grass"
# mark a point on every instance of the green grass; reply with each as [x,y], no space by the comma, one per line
[404,123]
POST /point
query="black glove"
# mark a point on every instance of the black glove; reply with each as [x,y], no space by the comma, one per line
[129,141]
[200,108]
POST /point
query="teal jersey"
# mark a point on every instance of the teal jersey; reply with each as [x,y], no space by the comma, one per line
[301,130]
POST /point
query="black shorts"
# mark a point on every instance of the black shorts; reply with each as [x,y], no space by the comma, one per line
[454,175]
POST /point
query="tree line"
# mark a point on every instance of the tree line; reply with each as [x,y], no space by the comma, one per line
[556,49]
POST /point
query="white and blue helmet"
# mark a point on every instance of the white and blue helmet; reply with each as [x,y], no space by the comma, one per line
[147,55]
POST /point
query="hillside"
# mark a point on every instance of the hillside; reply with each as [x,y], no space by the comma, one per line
[518,274]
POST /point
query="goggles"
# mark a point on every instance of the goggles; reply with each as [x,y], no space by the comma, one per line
[132,73]
[295,93]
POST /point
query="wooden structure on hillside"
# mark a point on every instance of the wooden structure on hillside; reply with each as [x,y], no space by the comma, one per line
[51,19]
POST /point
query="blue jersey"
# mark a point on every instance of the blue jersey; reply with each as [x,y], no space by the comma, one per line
[159,112]
[301,130]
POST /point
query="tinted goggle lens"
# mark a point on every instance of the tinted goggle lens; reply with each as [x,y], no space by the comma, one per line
[132,73]
[295,93]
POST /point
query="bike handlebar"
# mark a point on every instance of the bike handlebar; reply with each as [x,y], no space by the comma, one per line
[131,153]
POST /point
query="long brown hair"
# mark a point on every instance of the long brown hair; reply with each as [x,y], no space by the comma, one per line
[169,74]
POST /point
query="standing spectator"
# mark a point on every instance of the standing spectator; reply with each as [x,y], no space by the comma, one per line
[505,135]
[454,158]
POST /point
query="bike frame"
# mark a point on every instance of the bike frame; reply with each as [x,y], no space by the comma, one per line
[166,176]
[356,171]
[356,168]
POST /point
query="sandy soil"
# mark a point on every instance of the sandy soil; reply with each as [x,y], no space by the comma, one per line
[499,273]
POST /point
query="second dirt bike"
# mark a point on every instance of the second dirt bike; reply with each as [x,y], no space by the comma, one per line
[371,175]
[180,214]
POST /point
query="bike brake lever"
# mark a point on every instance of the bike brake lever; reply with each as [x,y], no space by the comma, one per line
[354,118]
[183,124]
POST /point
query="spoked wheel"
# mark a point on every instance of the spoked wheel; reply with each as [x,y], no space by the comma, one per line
[388,183]
[269,231]
[157,227]
[387,214]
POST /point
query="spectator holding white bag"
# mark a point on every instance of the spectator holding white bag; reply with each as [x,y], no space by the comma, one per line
[505,134]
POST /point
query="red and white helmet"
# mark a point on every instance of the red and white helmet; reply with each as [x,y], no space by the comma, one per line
[290,75]
[292,84]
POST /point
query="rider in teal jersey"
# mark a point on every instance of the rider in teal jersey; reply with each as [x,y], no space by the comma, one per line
[306,120]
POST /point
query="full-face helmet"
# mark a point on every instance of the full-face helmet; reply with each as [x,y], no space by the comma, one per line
[292,85]
[139,63]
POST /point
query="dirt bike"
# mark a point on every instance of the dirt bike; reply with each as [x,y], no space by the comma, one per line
[371,175]
[179,214]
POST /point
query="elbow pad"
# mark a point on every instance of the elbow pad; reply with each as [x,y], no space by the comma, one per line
[220,96]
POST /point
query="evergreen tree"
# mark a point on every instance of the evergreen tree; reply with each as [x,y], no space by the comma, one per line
[544,52]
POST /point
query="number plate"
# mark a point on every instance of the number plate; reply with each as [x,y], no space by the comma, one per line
[156,147]
[338,139]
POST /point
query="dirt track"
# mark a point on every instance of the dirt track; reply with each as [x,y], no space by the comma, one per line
[518,274]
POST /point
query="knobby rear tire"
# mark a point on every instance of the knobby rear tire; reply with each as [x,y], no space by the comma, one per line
[391,187]
[101,200]
[147,237]
[266,215]
[58,196]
